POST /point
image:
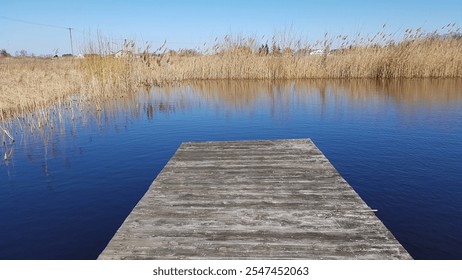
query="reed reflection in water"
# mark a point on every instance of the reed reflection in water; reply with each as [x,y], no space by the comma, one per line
[89,161]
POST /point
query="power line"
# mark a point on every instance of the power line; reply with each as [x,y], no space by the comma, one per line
[34,23]
[45,25]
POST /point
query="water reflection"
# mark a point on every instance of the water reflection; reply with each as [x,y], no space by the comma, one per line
[40,127]
[404,92]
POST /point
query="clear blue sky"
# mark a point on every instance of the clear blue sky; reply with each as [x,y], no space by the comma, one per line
[189,24]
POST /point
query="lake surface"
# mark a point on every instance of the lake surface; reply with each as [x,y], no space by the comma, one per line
[76,170]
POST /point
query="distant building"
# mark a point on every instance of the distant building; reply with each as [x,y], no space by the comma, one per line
[317,52]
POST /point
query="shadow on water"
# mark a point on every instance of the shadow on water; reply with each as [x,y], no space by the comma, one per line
[90,161]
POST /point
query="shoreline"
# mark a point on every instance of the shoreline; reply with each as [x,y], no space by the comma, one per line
[31,83]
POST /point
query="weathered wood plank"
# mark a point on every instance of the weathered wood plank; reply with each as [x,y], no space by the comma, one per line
[252,200]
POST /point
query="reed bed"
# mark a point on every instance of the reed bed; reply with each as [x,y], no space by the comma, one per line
[105,72]
[30,83]
[416,55]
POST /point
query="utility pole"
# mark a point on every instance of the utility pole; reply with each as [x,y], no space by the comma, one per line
[70,36]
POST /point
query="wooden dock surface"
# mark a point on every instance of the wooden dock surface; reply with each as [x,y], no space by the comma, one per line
[278,199]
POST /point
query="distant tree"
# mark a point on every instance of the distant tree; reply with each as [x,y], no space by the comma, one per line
[21,53]
[275,49]
[263,50]
[4,53]
[188,52]
[172,52]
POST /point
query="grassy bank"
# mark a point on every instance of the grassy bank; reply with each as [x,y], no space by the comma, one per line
[28,83]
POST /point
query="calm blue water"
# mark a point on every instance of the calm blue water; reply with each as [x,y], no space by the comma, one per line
[65,191]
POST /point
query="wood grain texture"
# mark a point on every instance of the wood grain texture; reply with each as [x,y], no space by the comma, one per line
[271,199]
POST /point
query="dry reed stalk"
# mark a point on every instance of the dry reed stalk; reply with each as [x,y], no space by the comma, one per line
[7,134]
[28,84]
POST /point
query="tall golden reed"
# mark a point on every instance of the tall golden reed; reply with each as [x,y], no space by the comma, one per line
[109,73]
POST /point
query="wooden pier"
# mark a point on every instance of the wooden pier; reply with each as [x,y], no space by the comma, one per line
[252,200]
